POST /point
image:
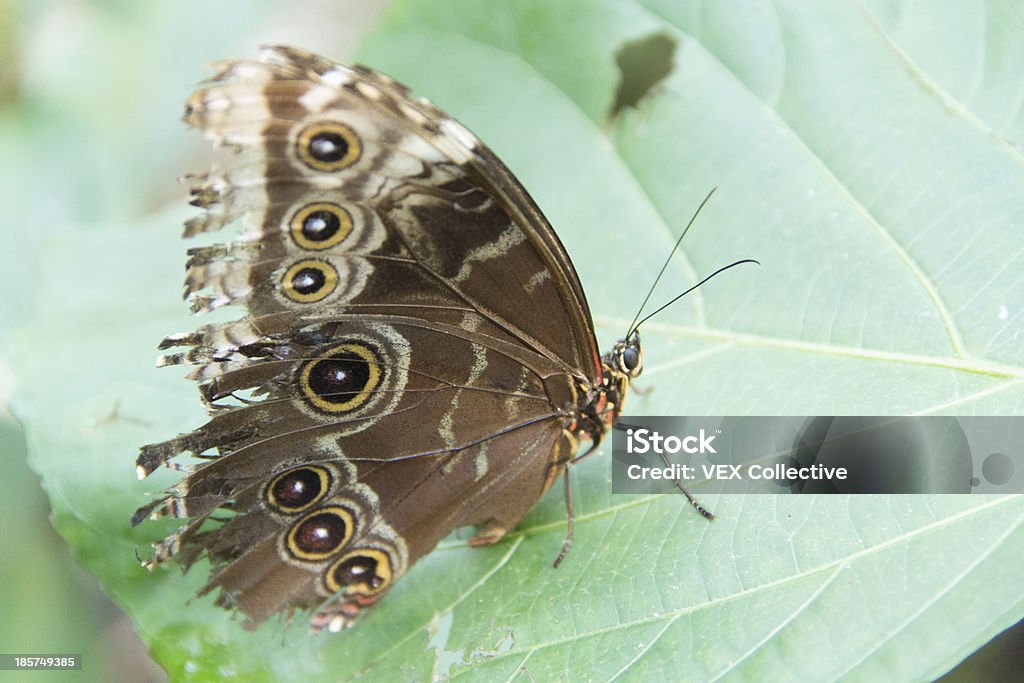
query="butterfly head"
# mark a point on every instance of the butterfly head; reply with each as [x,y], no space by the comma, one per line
[627,356]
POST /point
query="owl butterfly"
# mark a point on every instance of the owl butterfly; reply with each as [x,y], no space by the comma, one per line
[417,353]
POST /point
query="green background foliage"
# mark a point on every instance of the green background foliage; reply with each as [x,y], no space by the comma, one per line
[868,154]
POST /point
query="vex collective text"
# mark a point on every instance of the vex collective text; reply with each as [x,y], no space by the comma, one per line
[778,472]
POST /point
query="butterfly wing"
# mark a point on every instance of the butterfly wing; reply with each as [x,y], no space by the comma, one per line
[413,352]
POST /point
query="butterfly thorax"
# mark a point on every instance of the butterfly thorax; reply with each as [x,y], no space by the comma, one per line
[604,403]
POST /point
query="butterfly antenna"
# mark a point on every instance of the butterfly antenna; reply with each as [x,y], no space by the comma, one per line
[680,296]
[633,325]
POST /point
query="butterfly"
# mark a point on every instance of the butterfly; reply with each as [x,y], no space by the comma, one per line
[416,353]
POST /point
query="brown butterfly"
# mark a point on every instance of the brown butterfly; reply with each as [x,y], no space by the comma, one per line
[417,353]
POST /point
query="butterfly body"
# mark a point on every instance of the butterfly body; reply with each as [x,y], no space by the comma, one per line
[417,353]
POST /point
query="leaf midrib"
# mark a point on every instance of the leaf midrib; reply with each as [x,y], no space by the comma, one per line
[972,365]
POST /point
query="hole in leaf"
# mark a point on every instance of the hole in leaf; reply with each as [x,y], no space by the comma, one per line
[643,64]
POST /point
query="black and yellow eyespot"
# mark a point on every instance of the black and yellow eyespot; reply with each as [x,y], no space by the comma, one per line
[366,571]
[328,146]
[321,225]
[343,379]
[309,281]
[298,489]
[320,534]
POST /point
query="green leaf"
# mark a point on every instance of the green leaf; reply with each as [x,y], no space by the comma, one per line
[875,179]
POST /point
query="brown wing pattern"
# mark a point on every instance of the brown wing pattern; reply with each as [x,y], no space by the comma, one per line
[413,351]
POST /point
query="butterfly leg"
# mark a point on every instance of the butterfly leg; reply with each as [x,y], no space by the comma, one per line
[693,501]
[567,543]
[569,516]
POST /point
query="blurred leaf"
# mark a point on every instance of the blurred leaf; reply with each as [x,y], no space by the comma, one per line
[887,217]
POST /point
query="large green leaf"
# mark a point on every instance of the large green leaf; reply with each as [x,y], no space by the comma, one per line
[879,183]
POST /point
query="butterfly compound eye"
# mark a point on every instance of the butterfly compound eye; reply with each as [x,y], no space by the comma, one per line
[631,355]
[630,359]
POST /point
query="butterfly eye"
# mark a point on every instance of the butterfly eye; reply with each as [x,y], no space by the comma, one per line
[298,489]
[309,281]
[365,571]
[630,359]
[320,534]
[328,147]
[320,226]
[341,379]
